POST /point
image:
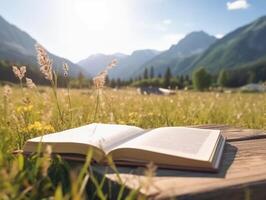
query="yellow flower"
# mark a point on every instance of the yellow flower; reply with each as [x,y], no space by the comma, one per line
[38,127]
[24,109]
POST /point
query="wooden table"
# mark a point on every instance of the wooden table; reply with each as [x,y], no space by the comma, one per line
[242,174]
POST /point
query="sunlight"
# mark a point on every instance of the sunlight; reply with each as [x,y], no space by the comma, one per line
[100,14]
[94,14]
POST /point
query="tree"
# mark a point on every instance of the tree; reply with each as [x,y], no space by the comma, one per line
[145,74]
[107,81]
[167,77]
[223,78]
[201,79]
[113,83]
[130,81]
[151,73]
[81,80]
[118,83]
[251,77]
[181,82]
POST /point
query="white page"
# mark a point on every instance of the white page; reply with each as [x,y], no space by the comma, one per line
[103,136]
[177,141]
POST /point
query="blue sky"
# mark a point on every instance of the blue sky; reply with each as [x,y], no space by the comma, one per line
[77,28]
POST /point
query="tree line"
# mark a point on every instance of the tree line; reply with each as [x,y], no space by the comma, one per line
[200,79]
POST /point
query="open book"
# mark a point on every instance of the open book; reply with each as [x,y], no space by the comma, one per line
[168,147]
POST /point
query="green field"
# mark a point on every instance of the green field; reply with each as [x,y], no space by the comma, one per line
[25,113]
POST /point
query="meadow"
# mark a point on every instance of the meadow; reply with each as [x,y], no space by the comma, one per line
[28,112]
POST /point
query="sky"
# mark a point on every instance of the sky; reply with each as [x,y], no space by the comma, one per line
[75,29]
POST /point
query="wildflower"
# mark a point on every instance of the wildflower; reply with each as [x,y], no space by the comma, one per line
[30,83]
[7,91]
[24,109]
[44,62]
[38,127]
[66,69]
[19,72]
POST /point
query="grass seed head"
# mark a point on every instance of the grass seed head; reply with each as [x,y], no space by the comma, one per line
[100,79]
[45,63]
[7,91]
[66,69]
[30,84]
[19,72]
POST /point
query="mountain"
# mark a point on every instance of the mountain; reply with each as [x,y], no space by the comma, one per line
[97,62]
[242,46]
[180,54]
[16,46]
[127,64]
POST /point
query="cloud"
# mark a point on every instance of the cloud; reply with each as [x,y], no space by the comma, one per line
[219,35]
[237,4]
[167,21]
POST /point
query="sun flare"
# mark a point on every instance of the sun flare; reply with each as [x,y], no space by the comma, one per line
[100,14]
[94,14]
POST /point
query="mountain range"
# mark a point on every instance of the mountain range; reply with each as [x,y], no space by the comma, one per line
[181,54]
[18,47]
[130,66]
[239,49]
[127,65]
[236,50]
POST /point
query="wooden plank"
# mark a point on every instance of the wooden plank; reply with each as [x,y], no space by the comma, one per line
[243,168]
[235,134]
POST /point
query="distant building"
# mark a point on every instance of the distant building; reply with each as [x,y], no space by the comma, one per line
[252,87]
[155,90]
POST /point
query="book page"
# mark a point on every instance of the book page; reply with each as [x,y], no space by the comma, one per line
[103,136]
[177,141]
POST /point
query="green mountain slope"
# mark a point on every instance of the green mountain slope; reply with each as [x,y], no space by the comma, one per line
[244,45]
[16,46]
[180,55]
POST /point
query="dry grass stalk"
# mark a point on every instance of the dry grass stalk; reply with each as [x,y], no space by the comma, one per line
[66,69]
[19,72]
[46,69]
[148,182]
[46,159]
[30,84]
[99,80]
[46,65]
[7,91]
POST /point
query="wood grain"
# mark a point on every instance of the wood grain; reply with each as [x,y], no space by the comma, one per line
[236,134]
[242,174]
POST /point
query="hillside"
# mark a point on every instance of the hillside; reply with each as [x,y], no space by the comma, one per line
[181,54]
[16,46]
[244,45]
[127,64]
[97,62]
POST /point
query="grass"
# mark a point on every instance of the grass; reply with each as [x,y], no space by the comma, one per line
[26,113]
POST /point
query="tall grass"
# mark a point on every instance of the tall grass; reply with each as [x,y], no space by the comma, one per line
[30,111]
